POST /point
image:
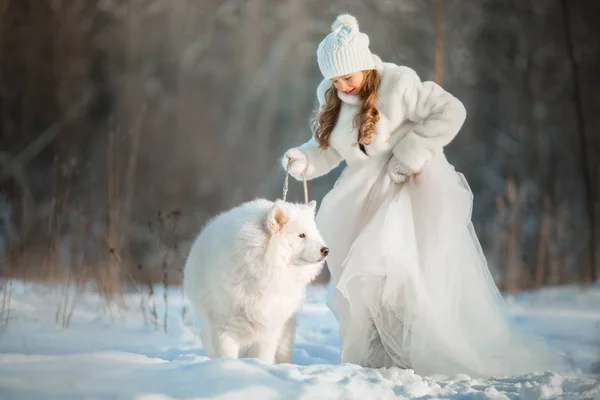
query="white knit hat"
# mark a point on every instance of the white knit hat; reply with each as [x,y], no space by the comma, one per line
[345,50]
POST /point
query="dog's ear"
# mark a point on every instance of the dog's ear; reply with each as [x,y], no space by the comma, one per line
[276,218]
[312,206]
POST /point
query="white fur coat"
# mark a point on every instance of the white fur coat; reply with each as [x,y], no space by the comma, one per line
[417,119]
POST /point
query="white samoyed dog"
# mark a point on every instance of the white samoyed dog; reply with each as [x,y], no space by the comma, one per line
[246,276]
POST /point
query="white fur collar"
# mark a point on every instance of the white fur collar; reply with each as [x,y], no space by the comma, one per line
[346,98]
[353,99]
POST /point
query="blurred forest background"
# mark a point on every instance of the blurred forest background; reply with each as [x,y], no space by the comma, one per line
[126,124]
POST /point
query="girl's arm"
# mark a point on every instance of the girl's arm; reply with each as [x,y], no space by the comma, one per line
[317,162]
[314,161]
[438,116]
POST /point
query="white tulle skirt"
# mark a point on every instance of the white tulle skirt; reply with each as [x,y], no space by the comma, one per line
[410,285]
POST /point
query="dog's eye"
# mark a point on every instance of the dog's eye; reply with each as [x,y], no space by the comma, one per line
[302,235]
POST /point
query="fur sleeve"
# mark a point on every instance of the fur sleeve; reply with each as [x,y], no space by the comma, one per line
[437,114]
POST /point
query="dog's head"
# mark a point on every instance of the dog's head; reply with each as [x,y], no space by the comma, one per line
[293,229]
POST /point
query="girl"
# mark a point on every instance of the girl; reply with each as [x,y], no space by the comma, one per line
[409,283]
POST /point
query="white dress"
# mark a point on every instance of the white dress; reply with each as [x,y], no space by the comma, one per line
[410,285]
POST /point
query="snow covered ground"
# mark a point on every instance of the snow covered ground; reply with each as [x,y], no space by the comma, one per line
[111,354]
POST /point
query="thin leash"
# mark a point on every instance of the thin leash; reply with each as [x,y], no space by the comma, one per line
[286,183]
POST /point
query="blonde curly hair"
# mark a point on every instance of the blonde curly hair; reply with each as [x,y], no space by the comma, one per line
[326,117]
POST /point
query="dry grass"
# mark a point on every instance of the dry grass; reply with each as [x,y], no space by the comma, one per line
[550,266]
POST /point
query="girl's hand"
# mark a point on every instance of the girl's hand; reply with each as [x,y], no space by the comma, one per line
[398,171]
[298,161]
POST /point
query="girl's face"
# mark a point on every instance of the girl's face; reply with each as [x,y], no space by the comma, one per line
[350,83]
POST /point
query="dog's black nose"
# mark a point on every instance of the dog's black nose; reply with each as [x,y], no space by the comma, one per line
[324,251]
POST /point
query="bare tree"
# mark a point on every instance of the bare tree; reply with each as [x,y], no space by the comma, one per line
[591,274]
[439,39]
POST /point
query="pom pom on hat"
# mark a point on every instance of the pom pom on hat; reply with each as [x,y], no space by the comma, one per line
[344,19]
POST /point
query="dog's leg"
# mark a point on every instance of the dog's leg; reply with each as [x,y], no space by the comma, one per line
[265,347]
[225,345]
[286,342]
[207,339]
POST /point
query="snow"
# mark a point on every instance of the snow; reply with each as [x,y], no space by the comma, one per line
[107,352]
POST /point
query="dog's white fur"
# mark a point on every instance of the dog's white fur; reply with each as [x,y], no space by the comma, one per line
[246,277]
